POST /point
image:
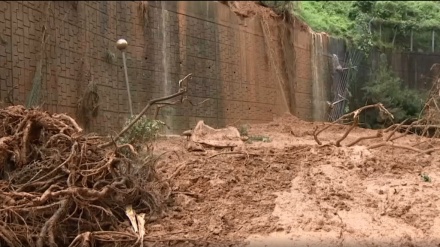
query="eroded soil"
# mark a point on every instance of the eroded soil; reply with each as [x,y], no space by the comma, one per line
[292,192]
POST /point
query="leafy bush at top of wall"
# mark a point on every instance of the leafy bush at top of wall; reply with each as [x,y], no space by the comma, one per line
[326,16]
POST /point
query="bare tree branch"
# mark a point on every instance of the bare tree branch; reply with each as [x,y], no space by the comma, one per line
[355,117]
[182,90]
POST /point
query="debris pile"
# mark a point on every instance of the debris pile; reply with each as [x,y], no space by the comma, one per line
[204,136]
[57,188]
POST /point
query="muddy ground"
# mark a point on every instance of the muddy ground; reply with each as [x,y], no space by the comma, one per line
[292,192]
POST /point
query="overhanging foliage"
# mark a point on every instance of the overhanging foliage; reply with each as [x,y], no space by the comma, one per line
[362,21]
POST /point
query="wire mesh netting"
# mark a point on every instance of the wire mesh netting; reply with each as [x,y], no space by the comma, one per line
[345,65]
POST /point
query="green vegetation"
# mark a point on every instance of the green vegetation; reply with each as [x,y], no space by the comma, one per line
[379,26]
[243,130]
[385,87]
[371,27]
[425,178]
[384,24]
[143,131]
[259,139]
[327,16]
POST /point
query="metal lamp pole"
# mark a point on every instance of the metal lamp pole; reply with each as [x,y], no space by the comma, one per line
[122,44]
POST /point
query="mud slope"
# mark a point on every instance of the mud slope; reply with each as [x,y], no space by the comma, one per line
[290,191]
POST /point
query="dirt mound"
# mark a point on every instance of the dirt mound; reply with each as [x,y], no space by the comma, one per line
[291,191]
[248,9]
[57,187]
[285,191]
[351,196]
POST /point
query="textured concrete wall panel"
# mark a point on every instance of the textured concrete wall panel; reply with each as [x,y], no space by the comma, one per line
[229,57]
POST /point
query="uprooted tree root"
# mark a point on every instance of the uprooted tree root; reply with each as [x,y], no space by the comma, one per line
[386,140]
[57,187]
[60,186]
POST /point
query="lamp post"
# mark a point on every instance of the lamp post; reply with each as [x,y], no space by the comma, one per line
[122,44]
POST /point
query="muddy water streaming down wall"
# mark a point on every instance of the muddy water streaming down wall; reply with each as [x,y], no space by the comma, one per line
[236,65]
[168,113]
[287,59]
[320,78]
[247,74]
[276,53]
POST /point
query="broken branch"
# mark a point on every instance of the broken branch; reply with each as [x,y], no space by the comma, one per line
[378,135]
[182,91]
[355,117]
